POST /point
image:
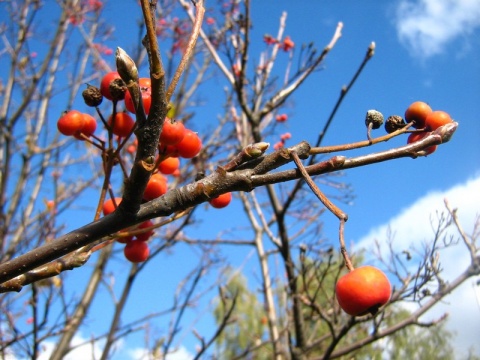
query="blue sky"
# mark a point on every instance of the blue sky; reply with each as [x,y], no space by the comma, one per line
[425,50]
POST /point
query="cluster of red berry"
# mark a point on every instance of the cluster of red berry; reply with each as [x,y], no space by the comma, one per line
[136,246]
[425,120]
[77,124]
[286,45]
[175,142]
[78,13]
[283,139]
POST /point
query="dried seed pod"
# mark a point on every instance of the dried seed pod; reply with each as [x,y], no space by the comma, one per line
[375,118]
[117,89]
[92,96]
[394,123]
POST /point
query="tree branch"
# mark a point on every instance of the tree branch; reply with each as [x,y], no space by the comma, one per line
[203,190]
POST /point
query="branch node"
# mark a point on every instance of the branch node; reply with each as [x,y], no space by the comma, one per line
[148,164]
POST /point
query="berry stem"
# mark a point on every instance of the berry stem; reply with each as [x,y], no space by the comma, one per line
[329,205]
[369,130]
[359,144]
[325,201]
[343,248]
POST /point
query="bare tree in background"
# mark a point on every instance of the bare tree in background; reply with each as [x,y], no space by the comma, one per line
[45,176]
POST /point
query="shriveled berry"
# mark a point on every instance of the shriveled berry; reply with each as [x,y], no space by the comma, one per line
[375,118]
[394,123]
[92,96]
[117,89]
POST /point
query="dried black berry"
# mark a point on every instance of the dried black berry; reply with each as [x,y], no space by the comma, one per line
[92,96]
[117,89]
[394,123]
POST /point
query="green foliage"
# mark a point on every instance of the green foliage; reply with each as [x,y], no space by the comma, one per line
[247,329]
[411,342]
[246,325]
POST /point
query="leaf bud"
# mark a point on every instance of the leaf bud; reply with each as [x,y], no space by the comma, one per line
[126,67]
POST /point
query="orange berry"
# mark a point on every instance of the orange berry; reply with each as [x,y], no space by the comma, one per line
[156,187]
[418,112]
[221,201]
[363,291]
[436,119]
[169,165]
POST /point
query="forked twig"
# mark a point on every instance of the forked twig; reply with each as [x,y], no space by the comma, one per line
[335,210]
[325,201]
[472,249]
[216,58]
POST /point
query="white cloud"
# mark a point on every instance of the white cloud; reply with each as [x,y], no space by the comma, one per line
[412,227]
[85,349]
[427,26]
[180,353]
[413,223]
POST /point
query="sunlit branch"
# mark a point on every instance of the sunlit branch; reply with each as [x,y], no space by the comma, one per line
[344,91]
[190,47]
[282,95]
[216,58]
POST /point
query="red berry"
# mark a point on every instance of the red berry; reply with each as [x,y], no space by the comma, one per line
[172,132]
[70,122]
[145,82]
[436,119]
[269,39]
[105,83]
[124,239]
[89,127]
[123,124]
[136,251]
[418,112]
[110,205]
[168,150]
[131,149]
[169,165]
[156,187]
[221,201]
[190,145]
[146,92]
[288,44]
[147,234]
[413,137]
[363,291]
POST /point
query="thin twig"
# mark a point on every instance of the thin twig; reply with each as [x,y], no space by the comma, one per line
[345,90]
[359,144]
[328,204]
[197,25]
[211,48]
[325,201]
[472,249]
[282,95]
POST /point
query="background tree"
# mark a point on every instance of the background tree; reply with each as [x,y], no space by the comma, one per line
[48,177]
